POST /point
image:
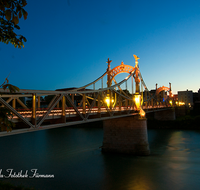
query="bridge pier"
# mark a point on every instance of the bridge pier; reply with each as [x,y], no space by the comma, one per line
[165,115]
[126,135]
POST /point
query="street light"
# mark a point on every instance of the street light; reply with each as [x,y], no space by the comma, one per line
[108,101]
[137,100]
[142,113]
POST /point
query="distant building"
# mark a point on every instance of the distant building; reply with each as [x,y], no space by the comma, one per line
[175,98]
[199,94]
[186,97]
[195,97]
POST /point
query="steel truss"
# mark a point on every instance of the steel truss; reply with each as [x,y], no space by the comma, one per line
[92,106]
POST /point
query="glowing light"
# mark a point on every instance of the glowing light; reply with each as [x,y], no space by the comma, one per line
[170,102]
[137,99]
[142,113]
[181,103]
[107,100]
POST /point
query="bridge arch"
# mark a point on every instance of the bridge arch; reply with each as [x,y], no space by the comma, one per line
[163,88]
[120,69]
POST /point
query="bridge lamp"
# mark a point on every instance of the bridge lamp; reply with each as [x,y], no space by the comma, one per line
[137,99]
[142,113]
[108,101]
[181,103]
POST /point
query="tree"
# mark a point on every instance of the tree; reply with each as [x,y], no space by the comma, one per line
[11,87]
[5,114]
[10,13]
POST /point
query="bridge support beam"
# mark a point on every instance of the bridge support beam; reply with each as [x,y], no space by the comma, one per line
[126,135]
[38,102]
[84,104]
[63,116]
[14,103]
[34,122]
[99,104]
[165,115]
[120,103]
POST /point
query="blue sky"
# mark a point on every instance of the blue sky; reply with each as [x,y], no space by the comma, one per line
[69,41]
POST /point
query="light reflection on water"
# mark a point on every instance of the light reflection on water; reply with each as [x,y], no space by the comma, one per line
[74,157]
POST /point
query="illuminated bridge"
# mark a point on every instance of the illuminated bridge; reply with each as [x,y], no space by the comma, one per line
[101,99]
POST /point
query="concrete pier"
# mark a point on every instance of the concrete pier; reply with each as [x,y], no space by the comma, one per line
[127,135]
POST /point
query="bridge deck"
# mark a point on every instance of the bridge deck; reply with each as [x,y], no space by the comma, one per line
[104,116]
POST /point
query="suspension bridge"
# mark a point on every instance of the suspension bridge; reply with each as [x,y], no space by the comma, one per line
[112,100]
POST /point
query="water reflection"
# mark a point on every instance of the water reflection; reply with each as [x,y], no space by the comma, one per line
[74,157]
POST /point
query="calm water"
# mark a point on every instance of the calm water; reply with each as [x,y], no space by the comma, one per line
[73,156]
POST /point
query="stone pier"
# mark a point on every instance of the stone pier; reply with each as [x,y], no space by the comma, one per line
[127,135]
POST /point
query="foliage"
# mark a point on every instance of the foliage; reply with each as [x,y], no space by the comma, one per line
[11,87]
[5,124]
[5,114]
[10,13]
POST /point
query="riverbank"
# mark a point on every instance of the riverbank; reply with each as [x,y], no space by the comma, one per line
[189,121]
[9,186]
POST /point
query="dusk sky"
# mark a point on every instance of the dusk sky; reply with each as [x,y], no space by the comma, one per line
[69,41]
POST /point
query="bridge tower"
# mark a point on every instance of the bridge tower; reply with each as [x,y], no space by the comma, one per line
[109,75]
[127,135]
[109,83]
[137,80]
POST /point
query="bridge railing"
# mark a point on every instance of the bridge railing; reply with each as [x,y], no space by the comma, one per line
[80,105]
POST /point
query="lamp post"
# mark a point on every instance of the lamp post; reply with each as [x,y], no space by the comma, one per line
[137,100]
[137,95]
[109,101]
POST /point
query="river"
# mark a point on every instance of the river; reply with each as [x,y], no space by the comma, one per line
[73,157]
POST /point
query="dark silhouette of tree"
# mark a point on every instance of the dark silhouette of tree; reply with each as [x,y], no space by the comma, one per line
[10,13]
[11,87]
[5,114]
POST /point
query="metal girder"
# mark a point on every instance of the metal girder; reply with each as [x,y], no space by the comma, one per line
[53,105]
[34,110]
[53,99]
[91,106]
[21,103]
[14,103]
[75,108]
[122,95]
[38,102]
[90,83]
[7,101]
[15,112]
[84,104]
[120,88]
[63,106]
[87,101]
